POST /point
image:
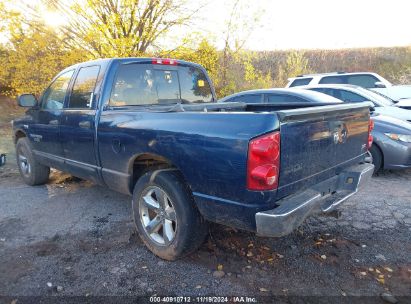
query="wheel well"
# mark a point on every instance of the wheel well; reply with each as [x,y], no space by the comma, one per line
[148,162]
[19,134]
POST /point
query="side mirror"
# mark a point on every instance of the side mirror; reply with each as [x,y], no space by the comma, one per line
[27,100]
[379,84]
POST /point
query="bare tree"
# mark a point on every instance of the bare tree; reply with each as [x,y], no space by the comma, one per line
[244,18]
[107,28]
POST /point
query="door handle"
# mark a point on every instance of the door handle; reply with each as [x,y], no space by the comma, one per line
[84,124]
[54,122]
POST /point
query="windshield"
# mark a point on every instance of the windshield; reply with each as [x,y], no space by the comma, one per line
[384,95]
[376,98]
[145,84]
[395,92]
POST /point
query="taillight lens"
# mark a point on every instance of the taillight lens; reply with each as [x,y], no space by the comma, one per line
[370,128]
[263,165]
[164,61]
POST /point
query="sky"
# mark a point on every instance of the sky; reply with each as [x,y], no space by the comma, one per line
[301,24]
[329,24]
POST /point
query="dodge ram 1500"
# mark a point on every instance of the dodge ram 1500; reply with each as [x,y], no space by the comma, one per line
[152,128]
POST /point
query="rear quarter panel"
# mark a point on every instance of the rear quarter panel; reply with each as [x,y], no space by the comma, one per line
[210,149]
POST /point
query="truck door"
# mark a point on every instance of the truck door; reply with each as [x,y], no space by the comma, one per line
[78,125]
[45,131]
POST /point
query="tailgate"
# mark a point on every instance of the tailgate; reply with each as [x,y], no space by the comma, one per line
[319,142]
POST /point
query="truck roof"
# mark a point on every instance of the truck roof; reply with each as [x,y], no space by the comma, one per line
[165,61]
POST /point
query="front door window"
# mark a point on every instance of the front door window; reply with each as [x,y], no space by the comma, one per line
[53,98]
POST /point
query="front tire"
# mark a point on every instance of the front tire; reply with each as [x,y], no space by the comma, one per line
[32,172]
[165,215]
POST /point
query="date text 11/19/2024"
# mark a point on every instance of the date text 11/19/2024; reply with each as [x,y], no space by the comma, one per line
[203,299]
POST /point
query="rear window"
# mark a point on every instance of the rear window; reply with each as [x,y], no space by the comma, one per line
[300,82]
[350,96]
[145,84]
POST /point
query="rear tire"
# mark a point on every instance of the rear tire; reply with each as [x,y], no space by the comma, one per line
[376,158]
[32,172]
[165,215]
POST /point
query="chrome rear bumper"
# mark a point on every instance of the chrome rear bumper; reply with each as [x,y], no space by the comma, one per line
[320,198]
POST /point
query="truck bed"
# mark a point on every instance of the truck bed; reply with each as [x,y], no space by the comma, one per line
[208,143]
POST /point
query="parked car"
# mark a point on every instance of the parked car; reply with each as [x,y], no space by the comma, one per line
[356,94]
[282,98]
[391,148]
[399,95]
[384,152]
[151,128]
[362,79]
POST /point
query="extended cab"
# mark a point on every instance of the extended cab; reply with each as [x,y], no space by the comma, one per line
[152,128]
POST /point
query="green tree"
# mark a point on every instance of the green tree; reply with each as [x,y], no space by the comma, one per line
[32,59]
[295,64]
[255,79]
[204,53]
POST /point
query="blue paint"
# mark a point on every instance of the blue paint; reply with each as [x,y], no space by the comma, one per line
[209,148]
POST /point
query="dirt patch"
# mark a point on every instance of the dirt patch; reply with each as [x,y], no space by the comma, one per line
[15,268]
[11,227]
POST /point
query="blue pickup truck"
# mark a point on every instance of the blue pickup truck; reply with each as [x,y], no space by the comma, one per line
[152,128]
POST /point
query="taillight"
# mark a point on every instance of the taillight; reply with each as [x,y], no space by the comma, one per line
[164,61]
[370,128]
[263,164]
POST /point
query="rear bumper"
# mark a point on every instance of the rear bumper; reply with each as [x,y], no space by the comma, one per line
[320,198]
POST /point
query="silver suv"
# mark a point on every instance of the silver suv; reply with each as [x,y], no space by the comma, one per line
[362,79]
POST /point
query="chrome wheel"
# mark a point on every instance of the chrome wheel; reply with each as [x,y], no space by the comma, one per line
[24,164]
[157,215]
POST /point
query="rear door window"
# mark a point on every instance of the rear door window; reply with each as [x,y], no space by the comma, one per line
[300,82]
[348,96]
[82,94]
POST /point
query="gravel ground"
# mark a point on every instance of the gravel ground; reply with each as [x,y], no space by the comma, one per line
[73,238]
